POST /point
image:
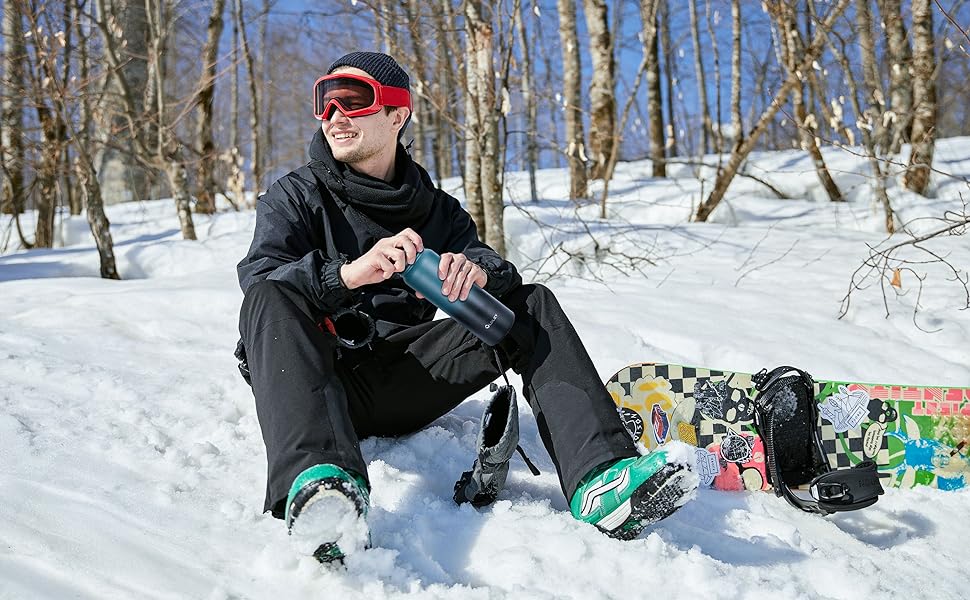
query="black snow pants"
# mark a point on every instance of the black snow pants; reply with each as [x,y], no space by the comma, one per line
[314,403]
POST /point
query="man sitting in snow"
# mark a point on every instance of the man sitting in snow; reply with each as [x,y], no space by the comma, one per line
[329,239]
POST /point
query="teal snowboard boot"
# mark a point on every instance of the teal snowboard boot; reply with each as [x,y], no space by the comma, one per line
[624,497]
[326,512]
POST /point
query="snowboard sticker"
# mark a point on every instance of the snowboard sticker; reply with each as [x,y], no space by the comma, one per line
[916,435]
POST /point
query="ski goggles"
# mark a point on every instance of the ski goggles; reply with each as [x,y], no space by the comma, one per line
[354,96]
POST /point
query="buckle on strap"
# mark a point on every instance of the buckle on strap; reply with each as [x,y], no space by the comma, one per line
[847,489]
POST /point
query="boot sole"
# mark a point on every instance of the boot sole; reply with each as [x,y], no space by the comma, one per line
[655,499]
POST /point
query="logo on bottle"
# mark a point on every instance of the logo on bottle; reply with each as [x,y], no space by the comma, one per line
[489,324]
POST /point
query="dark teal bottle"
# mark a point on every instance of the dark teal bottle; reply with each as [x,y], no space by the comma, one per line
[482,313]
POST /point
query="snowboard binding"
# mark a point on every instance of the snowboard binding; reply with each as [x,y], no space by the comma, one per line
[786,416]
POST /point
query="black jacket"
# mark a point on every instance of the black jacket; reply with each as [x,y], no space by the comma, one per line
[316,218]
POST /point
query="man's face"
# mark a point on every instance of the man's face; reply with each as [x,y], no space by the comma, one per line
[354,140]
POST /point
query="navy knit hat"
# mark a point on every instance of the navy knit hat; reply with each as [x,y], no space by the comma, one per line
[381,67]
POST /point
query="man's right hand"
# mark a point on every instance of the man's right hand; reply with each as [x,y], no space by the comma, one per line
[388,256]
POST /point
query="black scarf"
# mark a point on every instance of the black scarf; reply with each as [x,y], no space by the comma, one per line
[405,202]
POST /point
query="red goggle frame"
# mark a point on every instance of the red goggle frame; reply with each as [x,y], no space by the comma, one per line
[354,96]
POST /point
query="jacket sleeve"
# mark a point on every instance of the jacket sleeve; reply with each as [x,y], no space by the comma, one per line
[284,249]
[502,275]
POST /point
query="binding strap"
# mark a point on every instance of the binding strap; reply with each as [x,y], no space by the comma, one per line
[786,417]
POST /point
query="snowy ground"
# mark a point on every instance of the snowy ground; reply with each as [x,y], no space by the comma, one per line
[131,463]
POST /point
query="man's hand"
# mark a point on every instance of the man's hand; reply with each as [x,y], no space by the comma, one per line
[458,275]
[388,256]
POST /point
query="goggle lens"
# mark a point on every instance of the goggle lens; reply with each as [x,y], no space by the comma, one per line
[349,95]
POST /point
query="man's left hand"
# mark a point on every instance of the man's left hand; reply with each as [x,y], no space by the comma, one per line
[458,275]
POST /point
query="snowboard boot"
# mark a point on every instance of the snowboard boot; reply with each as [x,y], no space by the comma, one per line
[622,498]
[326,512]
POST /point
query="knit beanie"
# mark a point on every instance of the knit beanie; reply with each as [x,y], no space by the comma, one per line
[381,67]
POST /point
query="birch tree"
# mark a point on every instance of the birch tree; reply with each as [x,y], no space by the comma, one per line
[739,154]
[899,118]
[122,176]
[254,115]
[528,98]
[602,86]
[479,24]
[792,53]
[655,115]
[12,154]
[707,131]
[923,135]
[204,142]
[572,100]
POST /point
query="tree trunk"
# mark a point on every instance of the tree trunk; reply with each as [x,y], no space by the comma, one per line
[254,122]
[707,131]
[122,178]
[572,100]
[670,143]
[444,92]
[875,105]
[236,182]
[528,99]
[742,150]
[900,59]
[13,196]
[84,163]
[602,86]
[793,51]
[655,115]
[736,124]
[917,177]
[97,220]
[872,107]
[178,183]
[266,96]
[479,21]
[419,89]
[204,142]
[472,171]
[716,130]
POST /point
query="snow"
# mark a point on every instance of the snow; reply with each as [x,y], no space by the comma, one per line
[132,466]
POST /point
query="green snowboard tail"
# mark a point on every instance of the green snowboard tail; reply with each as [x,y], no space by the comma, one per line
[915,435]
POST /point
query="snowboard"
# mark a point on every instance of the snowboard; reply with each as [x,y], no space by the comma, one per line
[916,435]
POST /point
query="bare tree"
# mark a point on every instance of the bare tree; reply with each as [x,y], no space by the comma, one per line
[122,176]
[792,52]
[655,113]
[12,154]
[670,70]
[736,123]
[528,98]
[205,144]
[479,23]
[917,177]
[869,111]
[602,86]
[741,151]
[445,90]
[41,94]
[716,71]
[707,133]
[84,145]
[572,100]
[254,114]
[156,145]
[899,57]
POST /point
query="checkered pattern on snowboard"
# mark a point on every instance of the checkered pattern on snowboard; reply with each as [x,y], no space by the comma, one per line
[711,431]
[680,378]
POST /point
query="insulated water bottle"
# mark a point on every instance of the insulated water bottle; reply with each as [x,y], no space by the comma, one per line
[482,314]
